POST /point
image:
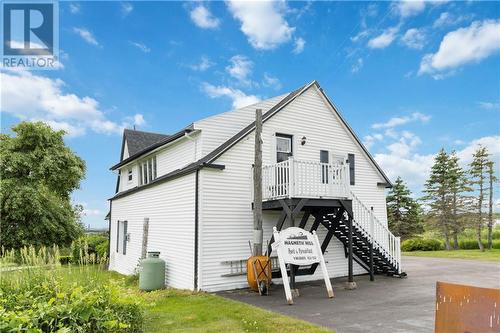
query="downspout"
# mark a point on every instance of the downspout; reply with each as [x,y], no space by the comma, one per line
[109,232]
[196,230]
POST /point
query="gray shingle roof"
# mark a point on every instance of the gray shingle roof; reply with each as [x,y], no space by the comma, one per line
[139,140]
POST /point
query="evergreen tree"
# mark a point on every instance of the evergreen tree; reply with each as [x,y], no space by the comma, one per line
[403,212]
[458,184]
[478,170]
[438,196]
[492,179]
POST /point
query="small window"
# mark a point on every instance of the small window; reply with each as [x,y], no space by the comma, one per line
[121,239]
[140,174]
[324,158]
[352,169]
[147,171]
[130,177]
[283,147]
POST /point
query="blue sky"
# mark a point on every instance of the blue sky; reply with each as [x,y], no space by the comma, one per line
[410,77]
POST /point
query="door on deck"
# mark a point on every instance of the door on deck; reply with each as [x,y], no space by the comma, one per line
[284,150]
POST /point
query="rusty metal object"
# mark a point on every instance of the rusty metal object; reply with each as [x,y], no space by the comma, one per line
[466,309]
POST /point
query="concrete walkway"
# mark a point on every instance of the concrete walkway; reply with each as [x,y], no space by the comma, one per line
[385,305]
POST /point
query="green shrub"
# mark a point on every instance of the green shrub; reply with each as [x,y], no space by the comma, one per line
[64,260]
[102,249]
[421,244]
[49,298]
[496,244]
[469,244]
[495,234]
[93,245]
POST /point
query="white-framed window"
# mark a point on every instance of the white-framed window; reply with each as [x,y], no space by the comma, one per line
[283,147]
[147,170]
[130,175]
[121,236]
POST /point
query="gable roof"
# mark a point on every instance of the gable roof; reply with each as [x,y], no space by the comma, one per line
[153,146]
[207,160]
[139,140]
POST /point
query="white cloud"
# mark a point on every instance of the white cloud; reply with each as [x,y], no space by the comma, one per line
[361,35]
[447,19]
[47,102]
[74,8]
[203,18]
[92,212]
[203,65]
[492,144]
[414,39]
[299,45]
[414,168]
[240,68]
[471,44]
[369,140]
[271,81]
[408,8]
[140,46]
[398,121]
[489,105]
[356,67]
[263,22]
[239,98]
[126,8]
[384,39]
[86,35]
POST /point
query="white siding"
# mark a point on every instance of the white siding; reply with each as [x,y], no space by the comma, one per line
[170,158]
[226,215]
[219,128]
[170,209]
[177,155]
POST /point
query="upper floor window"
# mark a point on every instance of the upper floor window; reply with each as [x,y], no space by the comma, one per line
[283,147]
[130,175]
[147,171]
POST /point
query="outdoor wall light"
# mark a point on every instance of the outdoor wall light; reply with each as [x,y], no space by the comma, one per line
[303,140]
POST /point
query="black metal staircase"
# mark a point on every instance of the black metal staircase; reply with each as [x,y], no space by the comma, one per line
[372,245]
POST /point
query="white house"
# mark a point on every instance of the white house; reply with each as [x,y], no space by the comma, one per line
[195,190]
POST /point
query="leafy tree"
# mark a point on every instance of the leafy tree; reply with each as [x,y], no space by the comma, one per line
[38,174]
[477,170]
[437,196]
[403,212]
[492,179]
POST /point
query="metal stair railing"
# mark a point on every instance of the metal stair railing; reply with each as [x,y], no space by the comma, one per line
[381,237]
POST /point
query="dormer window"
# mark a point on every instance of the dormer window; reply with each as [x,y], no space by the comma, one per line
[147,171]
[130,175]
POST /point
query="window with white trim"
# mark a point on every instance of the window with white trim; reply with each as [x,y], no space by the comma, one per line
[147,171]
[121,237]
[130,175]
[283,147]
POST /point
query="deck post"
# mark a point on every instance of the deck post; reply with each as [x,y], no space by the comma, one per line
[370,245]
[258,237]
[350,282]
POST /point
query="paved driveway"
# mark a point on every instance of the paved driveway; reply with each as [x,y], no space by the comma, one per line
[385,305]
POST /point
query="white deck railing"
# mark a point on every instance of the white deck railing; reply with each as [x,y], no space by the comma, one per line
[305,179]
[382,238]
[309,179]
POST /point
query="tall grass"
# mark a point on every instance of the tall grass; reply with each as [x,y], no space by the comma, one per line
[41,295]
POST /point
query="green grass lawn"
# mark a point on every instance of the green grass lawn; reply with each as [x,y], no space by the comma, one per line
[184,311]
[173,310]
[488,255]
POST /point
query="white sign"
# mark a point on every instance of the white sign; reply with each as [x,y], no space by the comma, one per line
[297,246]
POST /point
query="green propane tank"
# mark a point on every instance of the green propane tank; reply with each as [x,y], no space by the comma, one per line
[152,274]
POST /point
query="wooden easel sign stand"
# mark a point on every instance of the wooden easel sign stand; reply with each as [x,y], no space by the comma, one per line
[297,246]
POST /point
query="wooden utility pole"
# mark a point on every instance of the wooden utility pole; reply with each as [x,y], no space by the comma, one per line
[257,187]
